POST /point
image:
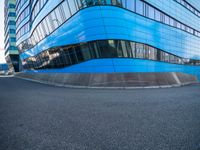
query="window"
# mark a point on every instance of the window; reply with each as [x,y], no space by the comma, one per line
[171,21]
[33,40]
[72,54]
[139,50]
[117,2]
[67,55]
[124,49]
[146,52]
[151,12]
[55,21]
[178,25]
[36,37]
[48,31]
[139,7]
[107,49]
[72,6]
[152,53]
[80,4]
[94,49]
[119,48]
[65,10]
[59,16]
[131,5]
[166,19]
[47,20]
[124,3]
[41,32]
[157,15]
[85,52]
[45,28]
[129,48]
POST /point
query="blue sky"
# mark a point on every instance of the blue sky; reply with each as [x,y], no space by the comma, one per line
[1,31]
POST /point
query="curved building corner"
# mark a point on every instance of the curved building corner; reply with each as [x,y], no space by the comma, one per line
[109,36]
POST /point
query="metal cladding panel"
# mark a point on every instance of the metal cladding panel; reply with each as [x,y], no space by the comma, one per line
[124,65]
[108,22]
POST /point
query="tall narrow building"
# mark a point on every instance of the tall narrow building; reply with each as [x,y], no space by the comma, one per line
[11,51]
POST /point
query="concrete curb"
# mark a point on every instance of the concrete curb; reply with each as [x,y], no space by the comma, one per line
[7,76]
[92,87]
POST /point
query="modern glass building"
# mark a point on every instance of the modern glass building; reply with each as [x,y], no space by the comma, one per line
[107,36]
[11,51]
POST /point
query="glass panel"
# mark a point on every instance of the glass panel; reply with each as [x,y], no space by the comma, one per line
[157,15]
[117,3]
[139,50]
[55,21]
[124,3]
[72,7]
[47,20]
[151,12]
[129,49]
[72,54]
[58,16]
[171,22]
[45,27]
[131,5]
[124,50]
[166,19]
[152,53]
[94,50]
[119,48]
[80,4]
[65,9]
[107,49]
[85,52]
[139,7]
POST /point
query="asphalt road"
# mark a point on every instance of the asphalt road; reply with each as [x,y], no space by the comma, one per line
[34,116]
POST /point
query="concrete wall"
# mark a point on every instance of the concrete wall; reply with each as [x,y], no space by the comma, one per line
[121,80]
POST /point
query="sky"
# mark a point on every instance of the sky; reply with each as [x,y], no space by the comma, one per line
[2,60]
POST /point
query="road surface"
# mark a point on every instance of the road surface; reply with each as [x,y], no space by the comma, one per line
[35,116]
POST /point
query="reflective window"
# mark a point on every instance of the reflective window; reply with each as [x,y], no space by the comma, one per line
[151,12]
[166,19]
[69,55]
[65,10]
[47,20]
[131,5]
[171,22]
[139,7]
[55,21]
[72,6]
[139,50]
[59,16]
[124,3]
[157,15]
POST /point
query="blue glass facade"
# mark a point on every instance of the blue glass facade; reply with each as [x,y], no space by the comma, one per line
[109,36]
